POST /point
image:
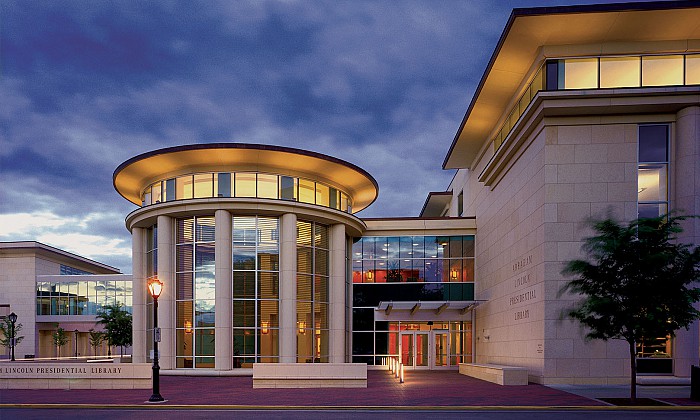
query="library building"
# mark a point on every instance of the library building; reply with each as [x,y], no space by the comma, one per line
[582,111]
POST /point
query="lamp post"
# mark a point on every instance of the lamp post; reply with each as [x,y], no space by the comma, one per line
[75,332]
[155,287]
[13,318]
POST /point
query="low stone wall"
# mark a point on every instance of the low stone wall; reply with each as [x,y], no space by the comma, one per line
[502,375]
[47,375]
[312,375]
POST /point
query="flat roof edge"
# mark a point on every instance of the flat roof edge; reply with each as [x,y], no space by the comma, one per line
[54,250]
[554,10]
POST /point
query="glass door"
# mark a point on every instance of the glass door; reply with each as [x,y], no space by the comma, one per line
[407,351]
[415,349]
[440,349]
[422,350]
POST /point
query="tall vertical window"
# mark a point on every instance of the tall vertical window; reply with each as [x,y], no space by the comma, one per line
[255,290]
[652,174]
[460,204]
[312,293]
[195,292]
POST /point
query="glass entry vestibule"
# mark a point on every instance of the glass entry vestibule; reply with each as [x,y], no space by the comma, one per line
[428,345]
[426,349]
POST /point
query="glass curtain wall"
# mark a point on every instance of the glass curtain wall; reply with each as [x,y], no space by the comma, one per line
[81,297]
[255,290]
[408,268]
[312,292]
[195,292]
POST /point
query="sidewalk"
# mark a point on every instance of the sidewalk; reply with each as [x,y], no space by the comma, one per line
[421,389]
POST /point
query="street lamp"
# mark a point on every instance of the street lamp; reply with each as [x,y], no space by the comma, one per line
[155,287]
[76,342]
[13,318]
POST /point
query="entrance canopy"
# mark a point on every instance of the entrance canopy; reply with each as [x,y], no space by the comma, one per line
[438,310]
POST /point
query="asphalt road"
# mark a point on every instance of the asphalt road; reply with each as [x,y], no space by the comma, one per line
[160,413]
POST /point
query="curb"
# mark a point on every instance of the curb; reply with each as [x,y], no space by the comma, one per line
[361,408]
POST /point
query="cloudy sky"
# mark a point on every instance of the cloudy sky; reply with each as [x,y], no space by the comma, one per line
[85,85]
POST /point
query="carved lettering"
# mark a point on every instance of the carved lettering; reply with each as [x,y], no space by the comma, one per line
[524,314]
[522,263]
[523,297]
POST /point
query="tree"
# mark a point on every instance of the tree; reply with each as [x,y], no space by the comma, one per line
[60,338]
[96,338]
[117,324]
[636,283]
[6,333]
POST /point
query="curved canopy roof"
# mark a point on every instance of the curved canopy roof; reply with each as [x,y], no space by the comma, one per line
[132,176]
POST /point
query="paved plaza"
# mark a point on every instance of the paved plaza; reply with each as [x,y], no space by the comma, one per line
[422,389]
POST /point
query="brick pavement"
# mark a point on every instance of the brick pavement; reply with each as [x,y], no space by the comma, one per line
[422,388]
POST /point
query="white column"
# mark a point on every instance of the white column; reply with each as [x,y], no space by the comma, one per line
[166,301]
[686,166]
[336,293]
[288,288]
[138,290]
[223,317]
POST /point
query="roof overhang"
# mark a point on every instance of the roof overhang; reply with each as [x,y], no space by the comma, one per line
[519,51]
[433,307]
[435,203]
[132,176]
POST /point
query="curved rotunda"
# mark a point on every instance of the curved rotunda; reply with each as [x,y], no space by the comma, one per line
[251,243]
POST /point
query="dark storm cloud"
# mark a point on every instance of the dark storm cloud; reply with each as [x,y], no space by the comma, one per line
[88,84]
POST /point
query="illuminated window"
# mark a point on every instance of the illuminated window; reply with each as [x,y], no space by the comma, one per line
[203,185]
[322,195]
[662,70]
[581,73]
[267,186]
[312,292]
[619,72]
[156,193]
[692,69]
[245,185]
[255,290]
[195,292]
[307,191]
[183,187]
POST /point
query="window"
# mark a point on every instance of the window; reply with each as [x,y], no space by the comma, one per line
[307,191]
[195,292]
[312,292]
[288,188]
[183,187]
[255,290]
[580,73]
[203,185]
[652,174]
[460,203]
[245,185]
[267,186]
[222,184]
[619,72]
[692,69]
[662,70]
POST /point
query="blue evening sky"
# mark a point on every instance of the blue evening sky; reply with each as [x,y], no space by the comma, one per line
[85,85]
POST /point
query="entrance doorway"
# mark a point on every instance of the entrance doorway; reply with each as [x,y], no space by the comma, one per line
[425,349]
